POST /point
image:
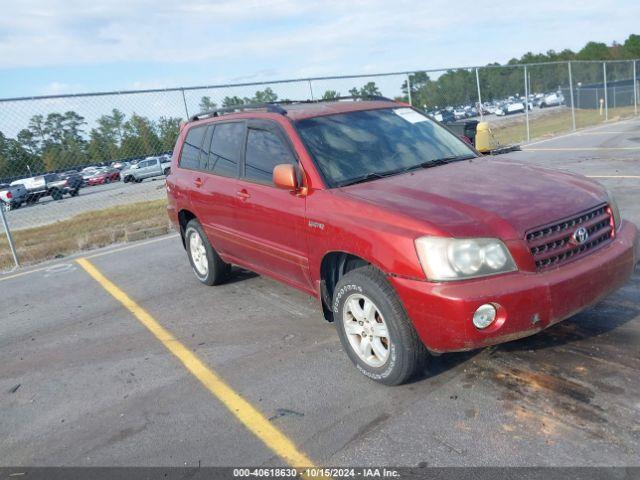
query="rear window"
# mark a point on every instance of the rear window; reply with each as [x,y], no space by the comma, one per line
[190,149]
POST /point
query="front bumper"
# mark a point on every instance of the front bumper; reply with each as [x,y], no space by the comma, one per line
[528,302]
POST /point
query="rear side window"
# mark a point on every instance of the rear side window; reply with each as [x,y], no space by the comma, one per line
[191,148]
[226,147]
[265,150]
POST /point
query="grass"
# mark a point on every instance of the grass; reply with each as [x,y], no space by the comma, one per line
[86,231]
[554,123]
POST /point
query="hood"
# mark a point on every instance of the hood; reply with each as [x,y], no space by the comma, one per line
[483,196]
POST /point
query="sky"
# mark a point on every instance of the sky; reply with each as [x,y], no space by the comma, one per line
[69,46]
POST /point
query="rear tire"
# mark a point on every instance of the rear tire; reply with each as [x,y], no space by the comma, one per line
[207,265]
[56,195]
[374,329]
[75,193]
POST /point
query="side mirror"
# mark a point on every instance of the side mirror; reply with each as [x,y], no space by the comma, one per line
[285,177]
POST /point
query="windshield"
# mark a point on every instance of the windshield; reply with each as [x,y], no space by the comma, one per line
[364,145]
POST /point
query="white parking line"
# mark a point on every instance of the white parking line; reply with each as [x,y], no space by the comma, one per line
[80,254]
[576,149]
[613,176]
[581,131]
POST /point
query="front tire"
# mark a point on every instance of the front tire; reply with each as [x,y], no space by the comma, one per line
[207,265]
[374,329]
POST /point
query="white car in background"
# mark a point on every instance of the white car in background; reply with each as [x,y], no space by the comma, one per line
[459,113]
[510,108]
[552,100]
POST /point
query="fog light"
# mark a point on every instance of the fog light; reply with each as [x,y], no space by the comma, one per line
[484,315]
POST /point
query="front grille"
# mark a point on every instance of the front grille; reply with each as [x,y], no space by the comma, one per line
[553,244]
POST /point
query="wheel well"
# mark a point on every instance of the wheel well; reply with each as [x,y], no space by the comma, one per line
[334,266]
[184,217]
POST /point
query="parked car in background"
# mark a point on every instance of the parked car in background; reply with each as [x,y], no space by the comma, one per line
[148,168]
[459,113]
[50,184]
[443,116]
[104,175]
[552,100]
[509,108]
[122,164]
[36,187]
[87,173]
[410,246]
[12,196]
[68,183]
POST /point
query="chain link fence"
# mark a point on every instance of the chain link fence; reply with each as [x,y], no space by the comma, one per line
[69,164]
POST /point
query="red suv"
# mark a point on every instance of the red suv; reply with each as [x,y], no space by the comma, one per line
[411,240]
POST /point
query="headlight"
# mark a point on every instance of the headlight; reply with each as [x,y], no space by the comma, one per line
[615,211]
[445,259]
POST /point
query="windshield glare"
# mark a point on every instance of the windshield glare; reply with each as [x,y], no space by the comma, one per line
[351,145]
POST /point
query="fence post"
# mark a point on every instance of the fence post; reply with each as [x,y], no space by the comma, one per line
[9,237]
[184,99]
[606,99]
[573,109]
[311,89]
[409,89]
[479,93]
[526,103]
[635,88]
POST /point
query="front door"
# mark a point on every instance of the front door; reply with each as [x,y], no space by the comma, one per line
[271,222]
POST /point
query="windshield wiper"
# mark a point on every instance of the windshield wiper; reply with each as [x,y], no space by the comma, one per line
[370,176]
[441,161]
[428,164]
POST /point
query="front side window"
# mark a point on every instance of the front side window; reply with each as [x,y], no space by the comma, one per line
[190,149]
[265,150]
[226,148]
[364,145]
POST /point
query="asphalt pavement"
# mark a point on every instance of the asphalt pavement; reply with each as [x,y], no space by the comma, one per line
[83,380]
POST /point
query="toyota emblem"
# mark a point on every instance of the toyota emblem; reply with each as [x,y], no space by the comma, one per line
[580,236]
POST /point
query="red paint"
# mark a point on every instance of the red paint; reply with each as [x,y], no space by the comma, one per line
[101,178]
[277,233]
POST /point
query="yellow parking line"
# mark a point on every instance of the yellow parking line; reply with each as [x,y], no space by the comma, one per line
[251,418]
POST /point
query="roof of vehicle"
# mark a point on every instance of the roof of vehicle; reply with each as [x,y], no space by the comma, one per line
[304,109]
[300,111]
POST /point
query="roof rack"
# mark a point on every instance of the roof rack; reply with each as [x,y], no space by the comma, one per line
[269,107]
[276,107]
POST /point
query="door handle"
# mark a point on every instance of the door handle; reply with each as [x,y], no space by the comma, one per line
[243,194]
[197,182]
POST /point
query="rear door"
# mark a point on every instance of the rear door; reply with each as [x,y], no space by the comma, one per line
[271,221]
[211,155]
